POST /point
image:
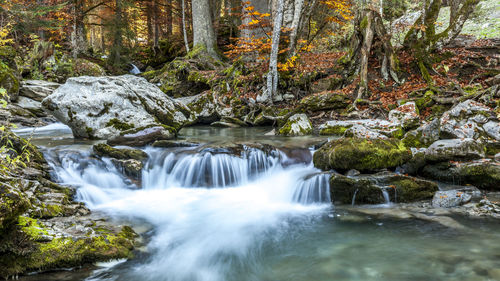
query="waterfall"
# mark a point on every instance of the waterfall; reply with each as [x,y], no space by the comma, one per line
[313,189]
[386,196]
[135,70]
[213,212]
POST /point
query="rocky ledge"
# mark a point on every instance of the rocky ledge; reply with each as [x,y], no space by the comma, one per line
[42,228]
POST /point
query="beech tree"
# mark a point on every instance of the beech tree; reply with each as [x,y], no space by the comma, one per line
[203,30]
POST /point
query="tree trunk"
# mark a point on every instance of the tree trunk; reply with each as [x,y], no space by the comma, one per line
[117,34]
[169,16]
[184,32]
[272,75]
[79,37]
[369,28]
[149,20]
[156,23]
[297,17]
[203,31]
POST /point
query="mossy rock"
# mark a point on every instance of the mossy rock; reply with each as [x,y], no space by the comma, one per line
[297,125]
[406,189]
[9,81]
[343,189]
[83,67]
[105,150]
[325,101]
[361,154]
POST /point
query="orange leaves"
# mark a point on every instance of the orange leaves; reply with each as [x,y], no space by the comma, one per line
[342,8]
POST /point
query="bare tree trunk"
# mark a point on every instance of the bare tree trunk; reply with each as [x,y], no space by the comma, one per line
[115,56]
[169,4]
[272,75]
[203,31]
[365,53]
[78,36]
[156,23]
[297,17]
[186,43]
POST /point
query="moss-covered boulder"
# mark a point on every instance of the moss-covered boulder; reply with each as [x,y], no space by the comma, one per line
[9,81]
[423,136]
[297,125]
[361,154]
[484,174]
[83,67]
[455,149]
[404,189]
[143,136]
[203,107]
[187,76]
[346,190]
[105,150]
[325,101]
[407,115]
[363,128]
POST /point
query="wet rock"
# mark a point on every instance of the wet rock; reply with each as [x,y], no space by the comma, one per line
[454,149]
[467,120]
[406,115]
[105,150]
[33,106]
[297,125]
[423,136]
[223,124]
[361,154]
[484,174]
[37,89]
[324,101]
[143,136]
[450,198]
[346,190]
[105,107]
[131,168]
[174,143]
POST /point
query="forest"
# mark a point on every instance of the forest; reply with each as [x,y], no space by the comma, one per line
[202,140]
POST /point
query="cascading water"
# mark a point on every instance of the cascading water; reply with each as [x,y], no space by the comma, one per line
[201,230]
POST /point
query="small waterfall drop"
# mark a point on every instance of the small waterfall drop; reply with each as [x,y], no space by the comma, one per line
[313,189]
[135,70]
[354,197]
[386,196]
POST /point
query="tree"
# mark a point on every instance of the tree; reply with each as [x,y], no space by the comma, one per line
[203,30]
[423,39]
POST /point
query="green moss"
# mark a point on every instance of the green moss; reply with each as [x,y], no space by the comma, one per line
[8,80]
[123,154]
[398,133]
[411,189]
[344,188]
[361,154]
[334,130]
[31,227]
[364,23]
[119,125]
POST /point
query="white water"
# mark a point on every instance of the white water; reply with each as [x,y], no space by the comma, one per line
[135,70]
[200,232]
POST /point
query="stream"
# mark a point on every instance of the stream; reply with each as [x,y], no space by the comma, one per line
[206,214]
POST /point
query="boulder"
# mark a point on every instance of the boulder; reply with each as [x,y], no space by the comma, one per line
[297,125]
[450,198]
[361,154]
[37,89]
[369,128]
[105,150]
[83,67]
[203,107]
[9,81]
[467,120]
[423,136]
[369,189]
[143,136]
[454,149]
[406,115]
[106,107]
[325,101]
[32,106]
[484,174]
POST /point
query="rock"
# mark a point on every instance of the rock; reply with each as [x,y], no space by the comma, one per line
[32,106]
[269,116]
[467,120]
[368,189]
[484,174]
[296,125]
[83,67]
[346,190]
[203,106]
[9,81]
[358,131]
[406,115]
[324,101]
[372,128]
[143,136]
[423,136]
[454,149]
[105,107]
[174,143]
[497,157]
[222,124]
[119,153]
[37,89]
[131,168]
[450,198]
[493,80]
[492,128]
[361,154]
